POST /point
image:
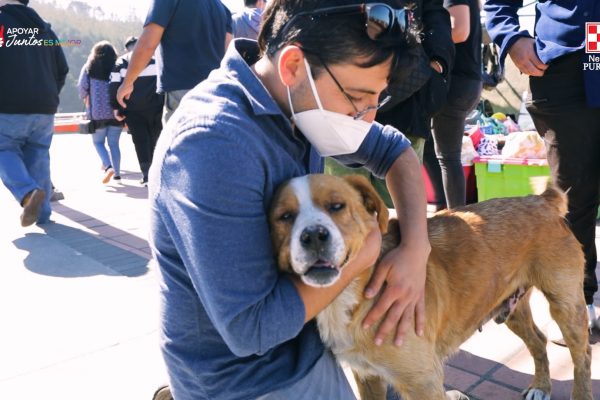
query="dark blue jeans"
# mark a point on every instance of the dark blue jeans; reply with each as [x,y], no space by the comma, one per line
[571,131]
[447,177]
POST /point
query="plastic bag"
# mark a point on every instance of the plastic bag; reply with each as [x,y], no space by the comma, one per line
[511,126]
[468,152]
[528,144]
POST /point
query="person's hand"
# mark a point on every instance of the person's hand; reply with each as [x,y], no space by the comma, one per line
[118,116]
[371,249]
[123,94]
[404,272]
[523,54]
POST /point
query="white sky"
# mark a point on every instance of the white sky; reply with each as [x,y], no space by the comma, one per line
[141,6]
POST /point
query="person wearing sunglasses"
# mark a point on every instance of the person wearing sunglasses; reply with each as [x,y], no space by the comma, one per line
[232,325]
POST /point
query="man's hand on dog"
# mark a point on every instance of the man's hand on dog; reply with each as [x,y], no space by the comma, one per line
[403,271]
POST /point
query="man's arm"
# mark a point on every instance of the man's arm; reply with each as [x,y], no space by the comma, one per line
[502,23]
[403,269]
[143,52]
[460,19]
[83,85]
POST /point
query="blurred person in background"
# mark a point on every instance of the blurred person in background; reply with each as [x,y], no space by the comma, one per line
[444,164]
[564,104]
[93,86]
[191,38]
[31,78]
[144,107]
[246,23]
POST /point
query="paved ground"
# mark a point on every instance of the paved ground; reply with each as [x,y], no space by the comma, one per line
[78,300]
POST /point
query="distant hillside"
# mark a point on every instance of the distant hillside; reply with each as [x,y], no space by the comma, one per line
[79,21]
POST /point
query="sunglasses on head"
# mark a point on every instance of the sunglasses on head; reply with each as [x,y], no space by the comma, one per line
[381,20]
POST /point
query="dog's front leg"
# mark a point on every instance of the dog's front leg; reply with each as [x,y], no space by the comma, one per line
[370,388]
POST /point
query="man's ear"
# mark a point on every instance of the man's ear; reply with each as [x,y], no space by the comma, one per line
[291,65]
[371,200]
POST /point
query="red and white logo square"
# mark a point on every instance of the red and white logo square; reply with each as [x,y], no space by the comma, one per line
[592,37]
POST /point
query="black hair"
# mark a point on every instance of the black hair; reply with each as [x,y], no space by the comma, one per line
[130,42]
[337,38]
[101,61]
[250,3]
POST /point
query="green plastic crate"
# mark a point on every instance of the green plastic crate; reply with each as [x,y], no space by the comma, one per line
[504,177]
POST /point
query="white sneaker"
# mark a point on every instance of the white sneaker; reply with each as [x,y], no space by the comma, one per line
[592,318]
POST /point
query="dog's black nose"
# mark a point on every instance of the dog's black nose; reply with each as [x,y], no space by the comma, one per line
[312,236]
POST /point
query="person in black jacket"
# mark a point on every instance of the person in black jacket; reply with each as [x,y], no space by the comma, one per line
[33,69]
[144,107]
[442,156]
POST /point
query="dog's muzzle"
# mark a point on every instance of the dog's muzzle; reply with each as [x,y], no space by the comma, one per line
[320,265]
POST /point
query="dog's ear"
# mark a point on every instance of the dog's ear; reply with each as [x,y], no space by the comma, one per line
[371,200]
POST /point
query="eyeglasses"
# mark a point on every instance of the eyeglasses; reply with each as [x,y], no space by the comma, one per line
[382,21]
[359,114]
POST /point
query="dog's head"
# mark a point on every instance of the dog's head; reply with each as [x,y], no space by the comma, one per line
[319,222]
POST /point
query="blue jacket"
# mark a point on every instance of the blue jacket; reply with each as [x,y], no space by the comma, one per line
[559,30]
[232,324]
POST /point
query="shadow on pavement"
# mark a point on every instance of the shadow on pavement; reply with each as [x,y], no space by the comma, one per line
[106,259]
[136,191]
[130,186]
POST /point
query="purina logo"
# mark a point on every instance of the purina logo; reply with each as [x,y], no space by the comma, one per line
[592,46]
[592,37]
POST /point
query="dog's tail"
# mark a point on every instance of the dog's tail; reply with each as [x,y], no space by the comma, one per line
[550,192]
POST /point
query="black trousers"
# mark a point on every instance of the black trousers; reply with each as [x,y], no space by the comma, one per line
[145,127]
[571,131]
[444,166]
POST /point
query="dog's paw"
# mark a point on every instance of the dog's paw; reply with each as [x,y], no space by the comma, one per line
[455,395]
[535,394]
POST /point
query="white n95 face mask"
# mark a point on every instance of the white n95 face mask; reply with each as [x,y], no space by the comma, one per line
[330,133]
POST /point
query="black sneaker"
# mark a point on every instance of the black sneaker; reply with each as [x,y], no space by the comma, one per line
[117,178]
[144,181]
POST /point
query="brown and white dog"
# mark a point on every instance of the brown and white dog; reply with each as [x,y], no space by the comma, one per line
[483,257]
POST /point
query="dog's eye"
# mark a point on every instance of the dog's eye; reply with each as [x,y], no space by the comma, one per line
[287,217]
[335,207]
